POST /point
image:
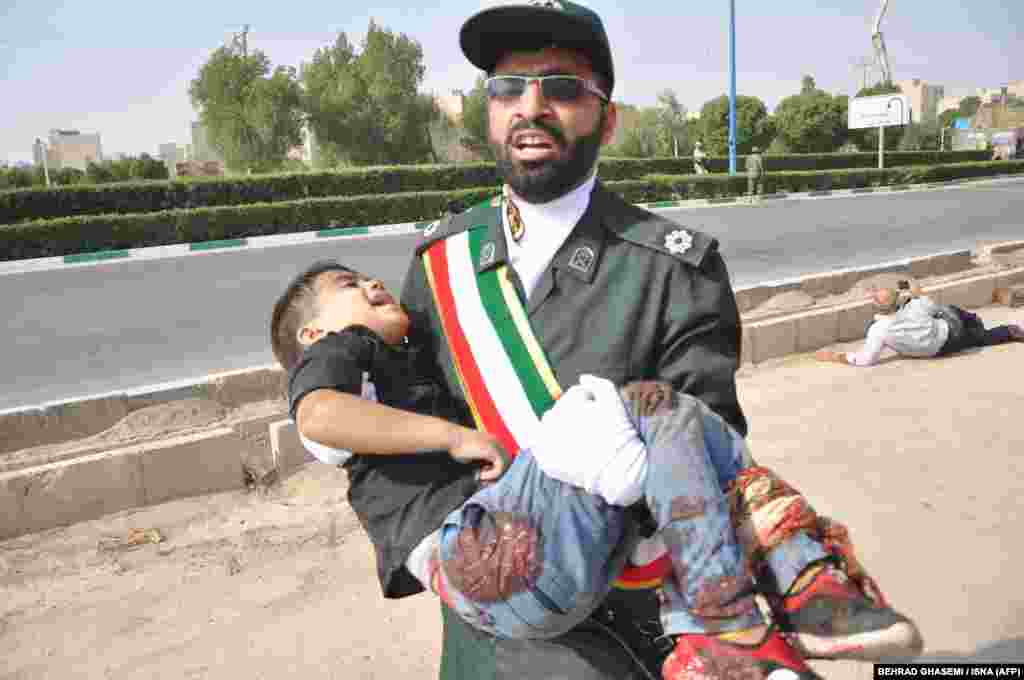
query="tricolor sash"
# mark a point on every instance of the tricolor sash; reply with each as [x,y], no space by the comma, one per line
[504,373]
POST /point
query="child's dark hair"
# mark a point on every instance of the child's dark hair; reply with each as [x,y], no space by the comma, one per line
[296,306]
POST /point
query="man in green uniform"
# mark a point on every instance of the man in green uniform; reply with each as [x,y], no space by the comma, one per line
[608,289]
[755,173]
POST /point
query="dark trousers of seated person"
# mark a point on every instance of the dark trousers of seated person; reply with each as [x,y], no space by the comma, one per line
[967,330]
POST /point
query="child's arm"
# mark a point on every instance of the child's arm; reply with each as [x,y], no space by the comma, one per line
[327,410]
[344,421]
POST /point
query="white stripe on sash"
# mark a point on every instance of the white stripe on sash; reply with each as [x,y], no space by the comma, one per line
[499,376]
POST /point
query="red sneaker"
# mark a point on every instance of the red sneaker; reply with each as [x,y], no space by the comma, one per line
[832,619]
[705,657]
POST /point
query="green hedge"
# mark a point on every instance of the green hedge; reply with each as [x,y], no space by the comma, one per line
[43,238]
[20,205]
[137,197]
[635,168]
[684,187]
[88,233]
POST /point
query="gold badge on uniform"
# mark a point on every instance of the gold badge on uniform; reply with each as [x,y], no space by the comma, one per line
[515,221]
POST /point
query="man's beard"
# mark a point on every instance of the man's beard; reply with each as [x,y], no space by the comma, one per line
[544,181]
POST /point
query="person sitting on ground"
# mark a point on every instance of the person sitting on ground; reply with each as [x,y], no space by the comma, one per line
[534,553]
[913,325]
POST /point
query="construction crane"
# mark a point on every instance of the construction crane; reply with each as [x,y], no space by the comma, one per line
[881,56]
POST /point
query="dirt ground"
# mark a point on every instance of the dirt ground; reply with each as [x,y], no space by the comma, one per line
[923,459]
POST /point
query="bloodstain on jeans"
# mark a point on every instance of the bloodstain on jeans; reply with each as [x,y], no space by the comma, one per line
[499,557]
[688,507]
[725,597]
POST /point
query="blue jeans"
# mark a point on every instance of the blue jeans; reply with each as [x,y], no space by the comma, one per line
[532,557]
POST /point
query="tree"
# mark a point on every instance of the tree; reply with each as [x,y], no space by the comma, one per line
[969,106]
[672,124]
[474,121]
[252,114]
[812,121]
[366,108]
[753,127]
[21,177]
[126,169]
[645,137]
[867,139]
[99,173]
[147,167]
[920,137]
[948,117]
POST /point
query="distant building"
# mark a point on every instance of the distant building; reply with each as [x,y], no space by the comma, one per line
[1015,88]
[69,149]
[201,149]
[924,99]
[997,116]
[949,102]
[990,95]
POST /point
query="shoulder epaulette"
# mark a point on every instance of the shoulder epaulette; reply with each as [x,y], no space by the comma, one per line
[453,224]
[646,229]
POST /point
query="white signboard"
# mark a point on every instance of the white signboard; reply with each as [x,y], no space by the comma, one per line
[883,110]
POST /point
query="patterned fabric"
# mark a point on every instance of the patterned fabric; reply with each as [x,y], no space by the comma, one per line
[766,511]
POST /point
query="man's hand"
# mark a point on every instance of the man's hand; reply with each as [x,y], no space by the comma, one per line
[588,440]
[829,355]
[474,446]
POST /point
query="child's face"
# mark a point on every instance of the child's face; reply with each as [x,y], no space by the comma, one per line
[350,299]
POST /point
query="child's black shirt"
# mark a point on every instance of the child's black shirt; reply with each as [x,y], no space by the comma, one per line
[399,500]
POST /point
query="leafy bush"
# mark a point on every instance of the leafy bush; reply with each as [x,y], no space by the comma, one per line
[153,196]
[87,233]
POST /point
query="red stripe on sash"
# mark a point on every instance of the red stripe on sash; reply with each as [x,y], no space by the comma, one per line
[462,354]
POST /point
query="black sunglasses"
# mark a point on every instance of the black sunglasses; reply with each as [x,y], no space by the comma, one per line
[556,88]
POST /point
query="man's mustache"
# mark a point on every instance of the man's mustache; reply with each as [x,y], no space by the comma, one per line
[554,132]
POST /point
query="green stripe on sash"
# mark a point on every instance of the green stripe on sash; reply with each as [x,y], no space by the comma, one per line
[494,302]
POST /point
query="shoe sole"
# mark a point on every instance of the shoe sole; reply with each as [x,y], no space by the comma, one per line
[900,640]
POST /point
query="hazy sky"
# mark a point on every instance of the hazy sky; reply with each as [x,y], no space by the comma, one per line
[122,68]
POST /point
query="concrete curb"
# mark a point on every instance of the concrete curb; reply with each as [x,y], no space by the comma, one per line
[258,452]
[54,422]
[256,242]
[841,280]
[254,453]
[809,330]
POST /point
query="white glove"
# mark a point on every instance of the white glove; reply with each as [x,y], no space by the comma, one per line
[587,439]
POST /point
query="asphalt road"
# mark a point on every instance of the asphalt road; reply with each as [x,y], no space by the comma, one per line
[122,326]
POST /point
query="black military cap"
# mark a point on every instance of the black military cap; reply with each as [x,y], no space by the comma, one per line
[534,25]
